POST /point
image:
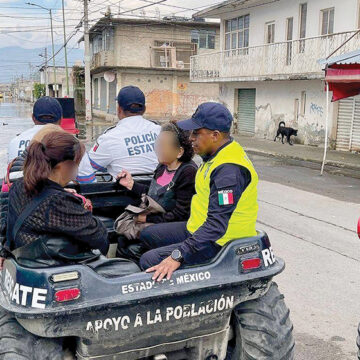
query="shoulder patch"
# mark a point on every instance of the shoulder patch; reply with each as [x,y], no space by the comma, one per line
[225,197]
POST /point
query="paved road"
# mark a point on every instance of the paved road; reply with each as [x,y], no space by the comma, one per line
[311,222]
[14,118]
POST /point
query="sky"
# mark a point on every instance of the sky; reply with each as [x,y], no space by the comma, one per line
[29,26]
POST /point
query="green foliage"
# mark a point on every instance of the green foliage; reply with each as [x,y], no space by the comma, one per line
[39,90]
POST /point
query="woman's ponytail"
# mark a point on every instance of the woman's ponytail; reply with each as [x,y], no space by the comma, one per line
[37,168]
[44,156]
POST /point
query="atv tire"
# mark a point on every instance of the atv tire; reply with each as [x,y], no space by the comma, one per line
[358,342]
[262,329]
[18,344]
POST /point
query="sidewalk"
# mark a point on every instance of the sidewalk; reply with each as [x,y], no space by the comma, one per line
[312,154]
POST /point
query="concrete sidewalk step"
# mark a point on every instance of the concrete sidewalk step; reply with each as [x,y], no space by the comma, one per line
[337,159]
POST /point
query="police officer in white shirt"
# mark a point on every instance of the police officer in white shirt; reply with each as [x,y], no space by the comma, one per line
[129,145]
[46,110]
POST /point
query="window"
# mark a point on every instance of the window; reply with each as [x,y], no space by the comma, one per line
[289,38]
[97,44]
[303,103]
[270,33]
[205,39]
[302,29]
[107,39]
[237,33]
[327,21]
[296,109]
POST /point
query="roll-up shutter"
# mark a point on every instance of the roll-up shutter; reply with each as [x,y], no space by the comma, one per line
[348,125]
[246,110]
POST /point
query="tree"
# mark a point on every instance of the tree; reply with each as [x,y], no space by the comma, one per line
[39,90]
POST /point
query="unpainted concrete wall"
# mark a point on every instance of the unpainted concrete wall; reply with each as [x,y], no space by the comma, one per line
[169,94]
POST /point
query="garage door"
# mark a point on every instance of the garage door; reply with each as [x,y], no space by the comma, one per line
[348,125]
[246,110]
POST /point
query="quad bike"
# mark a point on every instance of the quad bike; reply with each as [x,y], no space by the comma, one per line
[229,308]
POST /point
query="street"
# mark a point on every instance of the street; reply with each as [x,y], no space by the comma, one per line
[311,221]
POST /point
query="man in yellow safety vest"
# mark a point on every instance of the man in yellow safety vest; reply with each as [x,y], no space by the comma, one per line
[225,204]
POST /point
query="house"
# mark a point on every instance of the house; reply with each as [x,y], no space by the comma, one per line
[57,80]
[155,56]
[57,86]
[24,90]
[268,68]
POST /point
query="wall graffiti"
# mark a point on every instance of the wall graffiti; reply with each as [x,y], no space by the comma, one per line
[316,109]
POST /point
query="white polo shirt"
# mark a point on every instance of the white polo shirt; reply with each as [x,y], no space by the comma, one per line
[129,145]
[19,143]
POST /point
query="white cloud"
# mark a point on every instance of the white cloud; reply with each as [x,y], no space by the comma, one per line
[35,31]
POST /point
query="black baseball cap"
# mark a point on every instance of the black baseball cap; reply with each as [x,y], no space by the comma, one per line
[47,110]
[131,98]
[209,115]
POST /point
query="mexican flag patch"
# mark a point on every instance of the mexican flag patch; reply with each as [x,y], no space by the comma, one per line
[226,197]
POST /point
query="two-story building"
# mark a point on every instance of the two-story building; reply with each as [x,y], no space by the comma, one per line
[155,56]
[268,68]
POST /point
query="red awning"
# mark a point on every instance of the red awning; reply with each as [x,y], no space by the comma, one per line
[343,80]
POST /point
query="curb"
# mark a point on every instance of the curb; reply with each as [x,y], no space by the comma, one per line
[328,163]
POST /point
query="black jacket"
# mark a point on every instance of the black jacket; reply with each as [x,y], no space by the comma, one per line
[183,188]
[59,215]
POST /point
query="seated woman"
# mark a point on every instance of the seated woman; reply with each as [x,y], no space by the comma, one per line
[173,184]
[47,225]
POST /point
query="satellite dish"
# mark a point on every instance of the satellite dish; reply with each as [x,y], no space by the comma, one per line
[109,76]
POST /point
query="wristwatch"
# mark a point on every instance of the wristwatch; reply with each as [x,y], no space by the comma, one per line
[177,256]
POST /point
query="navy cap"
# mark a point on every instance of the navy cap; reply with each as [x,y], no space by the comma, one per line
[47,110]
[209,115]
[131,98]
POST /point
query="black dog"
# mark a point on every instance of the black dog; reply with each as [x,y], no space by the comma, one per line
[285,131]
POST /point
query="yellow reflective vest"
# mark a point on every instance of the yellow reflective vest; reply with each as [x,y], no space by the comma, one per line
[243,220]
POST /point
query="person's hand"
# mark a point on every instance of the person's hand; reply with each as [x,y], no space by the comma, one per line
[141,218]
[165,268]
[1,262]
[125,179]
[88,205]
[71,191]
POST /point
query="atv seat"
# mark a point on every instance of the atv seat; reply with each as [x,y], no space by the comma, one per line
[108,222]
[113,268]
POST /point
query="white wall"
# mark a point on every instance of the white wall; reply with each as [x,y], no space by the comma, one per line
[346,18]
[275,102]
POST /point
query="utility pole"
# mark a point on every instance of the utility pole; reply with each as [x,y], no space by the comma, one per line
[65,50]
[53,54]
[88,113]
[46,74]
[52,40]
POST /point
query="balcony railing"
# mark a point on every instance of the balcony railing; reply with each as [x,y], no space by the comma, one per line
[290,59]
[103,59]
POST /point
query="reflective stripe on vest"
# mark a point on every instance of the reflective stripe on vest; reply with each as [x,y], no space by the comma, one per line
[242,222]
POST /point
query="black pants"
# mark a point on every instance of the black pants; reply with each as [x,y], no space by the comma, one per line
[162,239]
